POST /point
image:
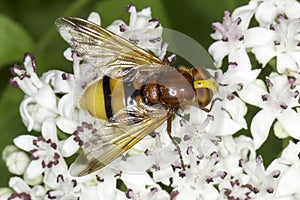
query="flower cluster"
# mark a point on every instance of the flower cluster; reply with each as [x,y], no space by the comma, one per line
[258,65]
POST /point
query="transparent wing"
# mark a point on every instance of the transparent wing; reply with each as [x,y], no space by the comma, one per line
[114,138]
[103,49]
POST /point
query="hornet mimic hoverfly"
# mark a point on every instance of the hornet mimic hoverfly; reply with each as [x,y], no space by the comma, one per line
[136,93]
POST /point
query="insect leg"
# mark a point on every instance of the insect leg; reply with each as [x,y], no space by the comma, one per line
[169,127]
[211,105]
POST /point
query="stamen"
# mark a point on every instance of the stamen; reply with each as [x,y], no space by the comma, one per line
[171,58]
[66,76]
[189,150]
[295,94]
[265,97]
[134,41]
[129,7]
[230,97]
[147,152]
[99,179]
[240,86]
[232,65]
[123,28]
[269,83]
[74,183]
[13,83]
[270,190]
[173,194]
[153,190]
[155,20]
[154,40]
[283,106]
[60,178]
[33,62]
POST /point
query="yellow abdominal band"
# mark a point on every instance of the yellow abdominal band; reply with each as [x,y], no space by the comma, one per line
[207,83]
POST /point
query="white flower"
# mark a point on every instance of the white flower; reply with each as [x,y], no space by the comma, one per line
[23,191]
[268,10]
[107,181]
[233,109]
[255,182]
[45,155]
[40,101]
[135,183]
[284,45]
[198,180]
[276,101]
[234,37]
[290,159]
[66,189]
[231,151]
[17,162]
[143,30]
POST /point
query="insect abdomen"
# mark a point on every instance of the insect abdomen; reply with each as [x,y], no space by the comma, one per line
[104,98]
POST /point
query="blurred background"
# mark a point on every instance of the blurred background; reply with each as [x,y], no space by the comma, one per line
[28,26]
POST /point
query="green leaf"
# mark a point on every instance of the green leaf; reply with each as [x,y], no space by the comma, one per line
[14,41]
[10,124]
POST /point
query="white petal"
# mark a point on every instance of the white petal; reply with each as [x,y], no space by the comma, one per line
[66,125]
[290,121]
[141,20]
[137,180]
[279,131]
[95,18]
[240,76]
[288,182]
[245,13]
[66,106]
[107,189]
[68,54]
[89,192]
[237,109]
[296,57]
[218,50]
[230,164]
[18,185]
[290,154]
[46,98]
[69,147]
[260,126]
[24,142]
[252,93]
[230,127]
[54,78]
[240,57]
[284,61]
[265,13]
[26,116]
[293,10]
[264,54]
[259,36]
[34,170]
[138,163]
[49,130]
[115,26]
[163,175]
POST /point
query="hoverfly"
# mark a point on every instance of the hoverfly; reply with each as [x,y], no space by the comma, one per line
[135,95]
